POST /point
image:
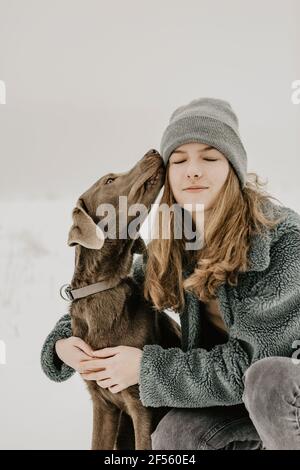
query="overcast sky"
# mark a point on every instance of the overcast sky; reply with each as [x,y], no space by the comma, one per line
[91,85]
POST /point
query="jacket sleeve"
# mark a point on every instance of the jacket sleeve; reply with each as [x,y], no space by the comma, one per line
[267,322]
[52,365]
[194,379]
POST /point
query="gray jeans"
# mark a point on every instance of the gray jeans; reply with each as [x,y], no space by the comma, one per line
[268,418]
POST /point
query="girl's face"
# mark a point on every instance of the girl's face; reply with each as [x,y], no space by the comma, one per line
[196,164]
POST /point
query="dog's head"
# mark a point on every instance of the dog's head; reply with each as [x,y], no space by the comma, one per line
[140,185]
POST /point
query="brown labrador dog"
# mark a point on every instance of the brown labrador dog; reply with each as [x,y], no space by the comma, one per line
[118,314]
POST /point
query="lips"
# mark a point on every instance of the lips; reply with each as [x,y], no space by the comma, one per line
[196,187]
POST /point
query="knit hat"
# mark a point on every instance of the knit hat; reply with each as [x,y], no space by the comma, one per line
[210,121]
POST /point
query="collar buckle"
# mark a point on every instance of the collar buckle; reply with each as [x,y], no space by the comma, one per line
[66,290]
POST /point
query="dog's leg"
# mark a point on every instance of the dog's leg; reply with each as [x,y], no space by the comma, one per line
[105,426]
[143,426]
[125,438]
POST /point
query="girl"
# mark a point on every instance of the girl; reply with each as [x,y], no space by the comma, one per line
[234,383]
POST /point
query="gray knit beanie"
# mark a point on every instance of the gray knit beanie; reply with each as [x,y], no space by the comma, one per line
[209,121]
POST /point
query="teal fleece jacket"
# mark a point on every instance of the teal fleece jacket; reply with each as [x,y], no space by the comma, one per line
[262,314]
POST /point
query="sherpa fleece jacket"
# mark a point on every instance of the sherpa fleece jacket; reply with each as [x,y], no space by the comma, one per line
[262,314]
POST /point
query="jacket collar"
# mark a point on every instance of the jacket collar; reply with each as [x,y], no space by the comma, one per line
[260,246]
[259,252]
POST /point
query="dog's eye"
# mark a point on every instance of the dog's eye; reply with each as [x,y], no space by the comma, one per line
[109,180]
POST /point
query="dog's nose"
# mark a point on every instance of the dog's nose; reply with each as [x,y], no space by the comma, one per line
[152,152]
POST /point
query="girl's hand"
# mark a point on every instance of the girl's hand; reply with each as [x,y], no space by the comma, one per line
[73,351]
[116,368]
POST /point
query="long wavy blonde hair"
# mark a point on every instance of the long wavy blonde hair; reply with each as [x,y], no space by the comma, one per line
[236,216]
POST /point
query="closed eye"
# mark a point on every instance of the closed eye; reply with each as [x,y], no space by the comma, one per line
[207,159]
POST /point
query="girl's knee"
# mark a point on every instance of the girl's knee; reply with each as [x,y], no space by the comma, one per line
[178,430]
[163,436]
[268,381]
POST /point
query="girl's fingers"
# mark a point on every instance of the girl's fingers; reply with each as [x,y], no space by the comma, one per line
[94,375]
[92,364]
[84,347]
[116,388]
[106,352]
[105,383]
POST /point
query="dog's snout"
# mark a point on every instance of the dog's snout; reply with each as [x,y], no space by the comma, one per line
[152,152]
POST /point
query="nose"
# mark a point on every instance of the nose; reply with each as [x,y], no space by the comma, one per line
[151,152]
[193,171]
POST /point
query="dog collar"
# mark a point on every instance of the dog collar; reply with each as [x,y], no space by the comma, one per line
[74,294]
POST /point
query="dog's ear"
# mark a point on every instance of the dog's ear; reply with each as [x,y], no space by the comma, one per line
[139,246]
[84,231]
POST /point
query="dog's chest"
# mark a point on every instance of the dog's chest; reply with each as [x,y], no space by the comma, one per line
[100,326]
